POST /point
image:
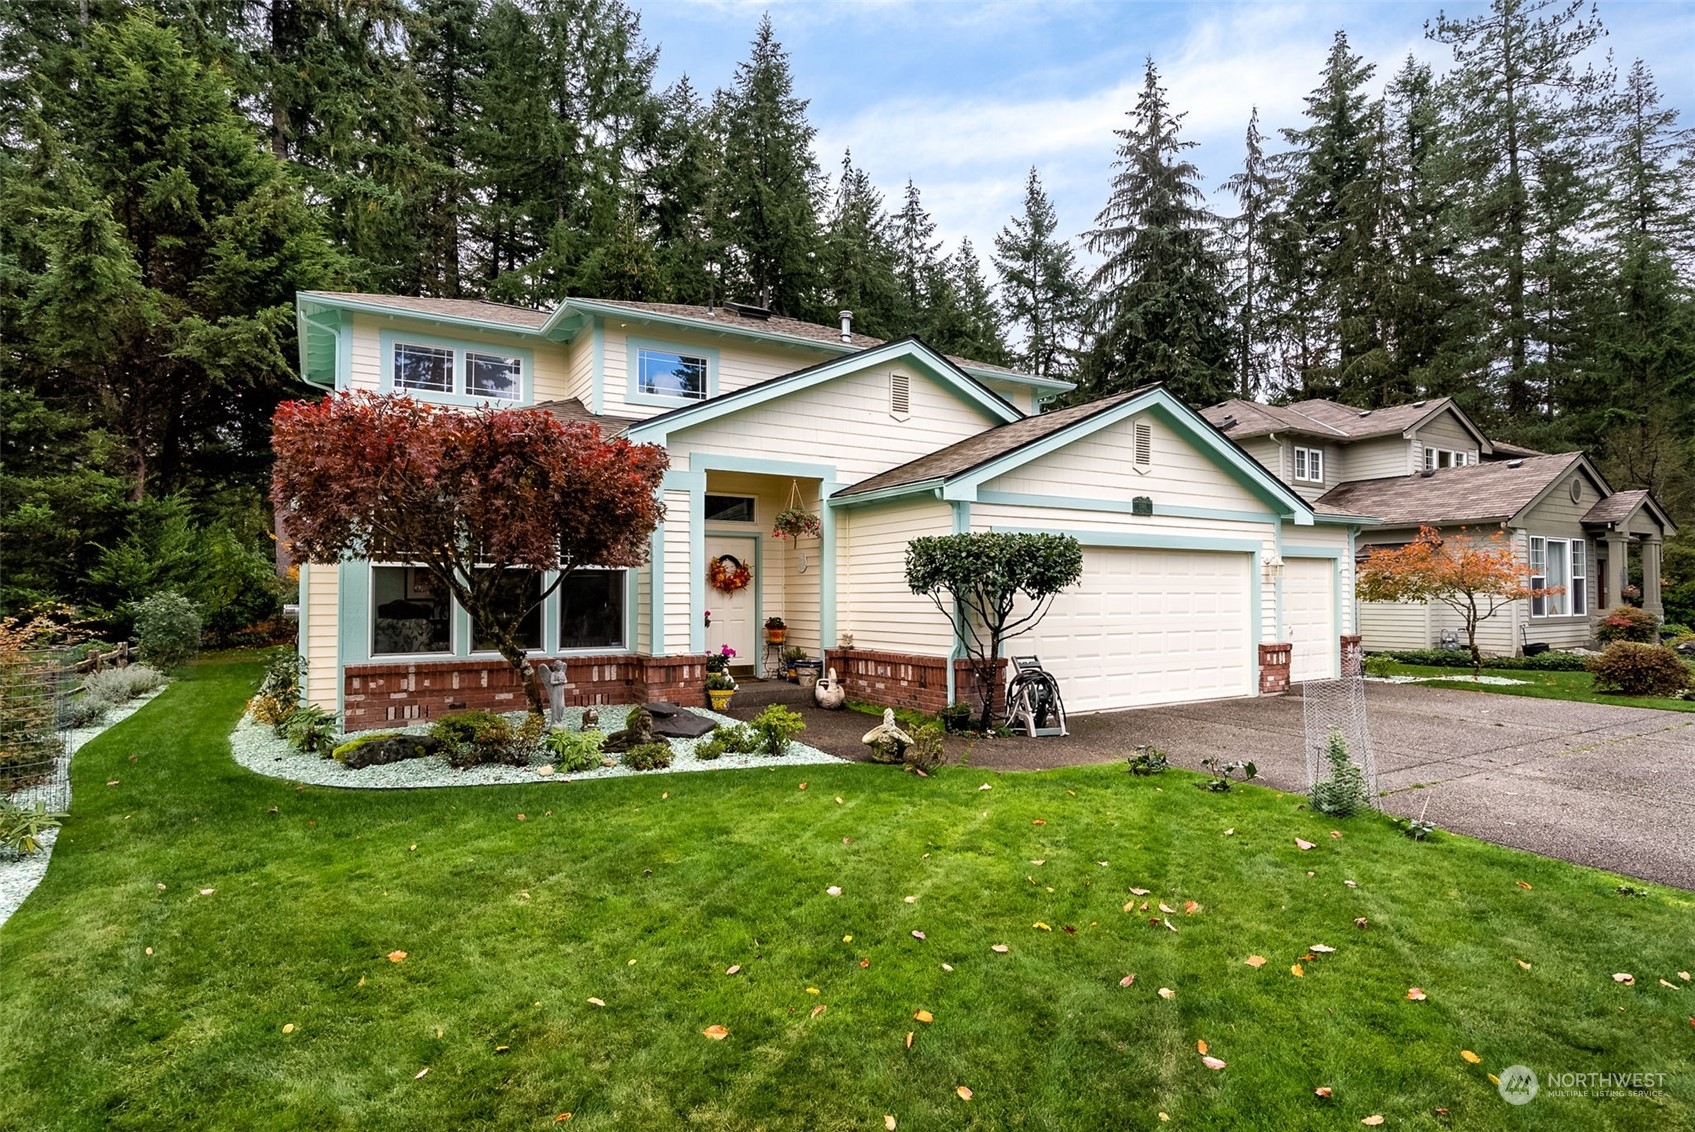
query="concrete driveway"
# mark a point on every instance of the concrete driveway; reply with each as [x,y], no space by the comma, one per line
[1612,787]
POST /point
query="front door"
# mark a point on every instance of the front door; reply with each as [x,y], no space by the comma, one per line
[733,614]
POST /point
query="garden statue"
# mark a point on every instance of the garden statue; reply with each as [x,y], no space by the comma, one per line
[888,743]
[637,732]
[553,681]
[829,692]
[591,719]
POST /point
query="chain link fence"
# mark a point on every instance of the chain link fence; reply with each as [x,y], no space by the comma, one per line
[35,751]
[1337,707]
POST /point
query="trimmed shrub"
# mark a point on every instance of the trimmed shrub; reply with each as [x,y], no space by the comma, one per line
[1447,658]
[775,726]
[575,751]
[648,756]
[80,711]
[1640,670]
[168,627]
[474,738]
[733,739]
[1628,623]
[927,751]
[1672,631]
[115,686]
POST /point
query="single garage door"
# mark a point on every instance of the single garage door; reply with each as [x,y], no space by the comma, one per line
[1309,618]
[1149,627]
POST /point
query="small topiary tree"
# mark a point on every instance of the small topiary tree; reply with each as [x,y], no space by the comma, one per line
[979,579]
[168,627]
[1343,792]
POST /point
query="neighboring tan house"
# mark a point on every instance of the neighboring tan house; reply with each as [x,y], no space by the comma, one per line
[1427,464]
[1203,572]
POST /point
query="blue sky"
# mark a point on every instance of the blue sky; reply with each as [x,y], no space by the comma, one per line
[964,97]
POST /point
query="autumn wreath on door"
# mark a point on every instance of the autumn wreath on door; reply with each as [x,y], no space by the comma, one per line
[727,573]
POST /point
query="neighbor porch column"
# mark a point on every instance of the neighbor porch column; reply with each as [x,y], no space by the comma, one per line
[1651,576]
[1618,561]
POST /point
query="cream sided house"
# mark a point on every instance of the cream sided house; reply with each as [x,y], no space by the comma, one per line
[1427,464]
[1206,575]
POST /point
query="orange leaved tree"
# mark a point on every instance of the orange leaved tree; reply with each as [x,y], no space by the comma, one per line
[1474,574]
[467,495]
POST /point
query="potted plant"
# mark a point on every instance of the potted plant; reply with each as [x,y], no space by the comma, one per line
[720,686]
[719,661]
[956,717]
[790,656]
[775,630]
[797,522]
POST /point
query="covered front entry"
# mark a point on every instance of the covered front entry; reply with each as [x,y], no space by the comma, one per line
[1150,627]
[1309,618]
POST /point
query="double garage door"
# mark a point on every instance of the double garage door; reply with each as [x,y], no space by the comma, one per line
[1148,627]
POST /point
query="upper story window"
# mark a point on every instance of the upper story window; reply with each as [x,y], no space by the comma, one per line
[462,373]
[1447,458]
[1309,465]
[663,373]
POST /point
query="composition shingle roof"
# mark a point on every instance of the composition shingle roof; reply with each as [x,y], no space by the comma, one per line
[1615,508]
[1495,490]
[526,317]
[1319,417]
[991,444]
[571,410]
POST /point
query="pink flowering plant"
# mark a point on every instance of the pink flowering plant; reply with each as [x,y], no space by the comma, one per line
[720,661]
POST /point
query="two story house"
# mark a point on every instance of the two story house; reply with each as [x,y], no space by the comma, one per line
[1206,575]
[1427,463]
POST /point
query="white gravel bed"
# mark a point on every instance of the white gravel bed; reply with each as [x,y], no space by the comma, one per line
[1467,678]
[258,748]
[20,875]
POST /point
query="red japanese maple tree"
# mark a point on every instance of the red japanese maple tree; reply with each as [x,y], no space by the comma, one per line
[465,494]
[1473,574]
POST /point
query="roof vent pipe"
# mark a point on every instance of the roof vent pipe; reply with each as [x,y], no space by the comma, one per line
[847,326]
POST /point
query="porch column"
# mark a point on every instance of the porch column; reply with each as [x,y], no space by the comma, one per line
[1618,560]
[1651,576]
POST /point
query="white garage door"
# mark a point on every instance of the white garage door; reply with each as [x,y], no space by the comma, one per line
[1309,618]
[1149,627]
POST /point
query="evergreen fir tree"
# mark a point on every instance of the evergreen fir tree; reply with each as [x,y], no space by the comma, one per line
[972,326]
[678,189]
[1161,312]
[917,266]
[859,256]
[1256,192]
[1040,284]
[444,58]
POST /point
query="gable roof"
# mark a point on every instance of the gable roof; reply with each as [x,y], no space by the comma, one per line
[912,350]
[571,410]
[1319,417]
[1618,508]
[1493,491]
[466,312]
[957,469]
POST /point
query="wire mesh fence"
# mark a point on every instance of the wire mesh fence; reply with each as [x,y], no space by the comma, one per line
[35,752]
[1332,709]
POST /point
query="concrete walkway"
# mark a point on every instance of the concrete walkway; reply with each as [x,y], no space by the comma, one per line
[1612,787]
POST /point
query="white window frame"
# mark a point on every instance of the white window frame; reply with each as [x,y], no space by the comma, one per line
[1456,458]
[1307,462]
[1573,556]
[458,392]
[634,392]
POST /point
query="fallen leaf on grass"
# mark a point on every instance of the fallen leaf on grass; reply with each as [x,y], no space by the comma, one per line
[864,963]
[1200,1047]
[1038,860]
[911,899]
[834,890]
[1350,884]
[1038,821]
[1000,948]
[1165,1116]
[150,951]
[1522,963]
[562,1118]
[396,956]
[909,1039]
[207,891]
[1128,980]
[1336,834]
[847,841]
[288,1027]
[919,935]
[889,1122]
[925,1016]
[1471,1057]
[1190,908]
[418,1076]
[1297,972]
[812,990]
[985,786]
[964,1093]
[1071,929]
[1684,975]
[948,967]
[160,887]
[596,1002]
[803,786]
[1320,948]
[732,970]
[1255,961]
[522,817]
[502,1049]
[819,1009]
[1167,992]
[1304,845]
[1139,891]
[1373,1120]
[839,801]
[1167,923]
[1167,911]
[716,1033]
[1663,983]
[1212,1063]
[1323,1091]
[1039,926]
[1626,978]
[114,782]
[1231,832]
[1362,922]
[1524,885]
[847,939]
[1416,994]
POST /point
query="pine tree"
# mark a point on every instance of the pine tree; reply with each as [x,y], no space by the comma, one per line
[1257,194]
[678,190]
[966,320]
[1161,312]
[1515,88]
[444,57]
[767,199]
[859,255]
[917,265]
[1040,284]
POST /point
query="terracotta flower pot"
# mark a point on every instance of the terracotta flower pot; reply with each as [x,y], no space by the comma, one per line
[775,636]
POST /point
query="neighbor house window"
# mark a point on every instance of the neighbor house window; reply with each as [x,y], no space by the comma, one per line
[1562,563]
[410,612]
[517,590]
[1309,464]
[729,509]
[457,371]
[1447,458]
[661,373]
[592,604]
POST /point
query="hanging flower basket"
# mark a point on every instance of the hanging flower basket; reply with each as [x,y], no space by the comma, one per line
[797,522]
[727,574]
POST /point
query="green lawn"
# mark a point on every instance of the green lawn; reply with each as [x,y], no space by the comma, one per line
[1541,685]
[612,890]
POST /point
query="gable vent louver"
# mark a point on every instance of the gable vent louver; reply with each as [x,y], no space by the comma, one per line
[1144,445]
[900,396]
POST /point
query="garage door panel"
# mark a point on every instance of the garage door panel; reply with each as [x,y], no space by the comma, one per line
[1309,618]
[1149,627]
